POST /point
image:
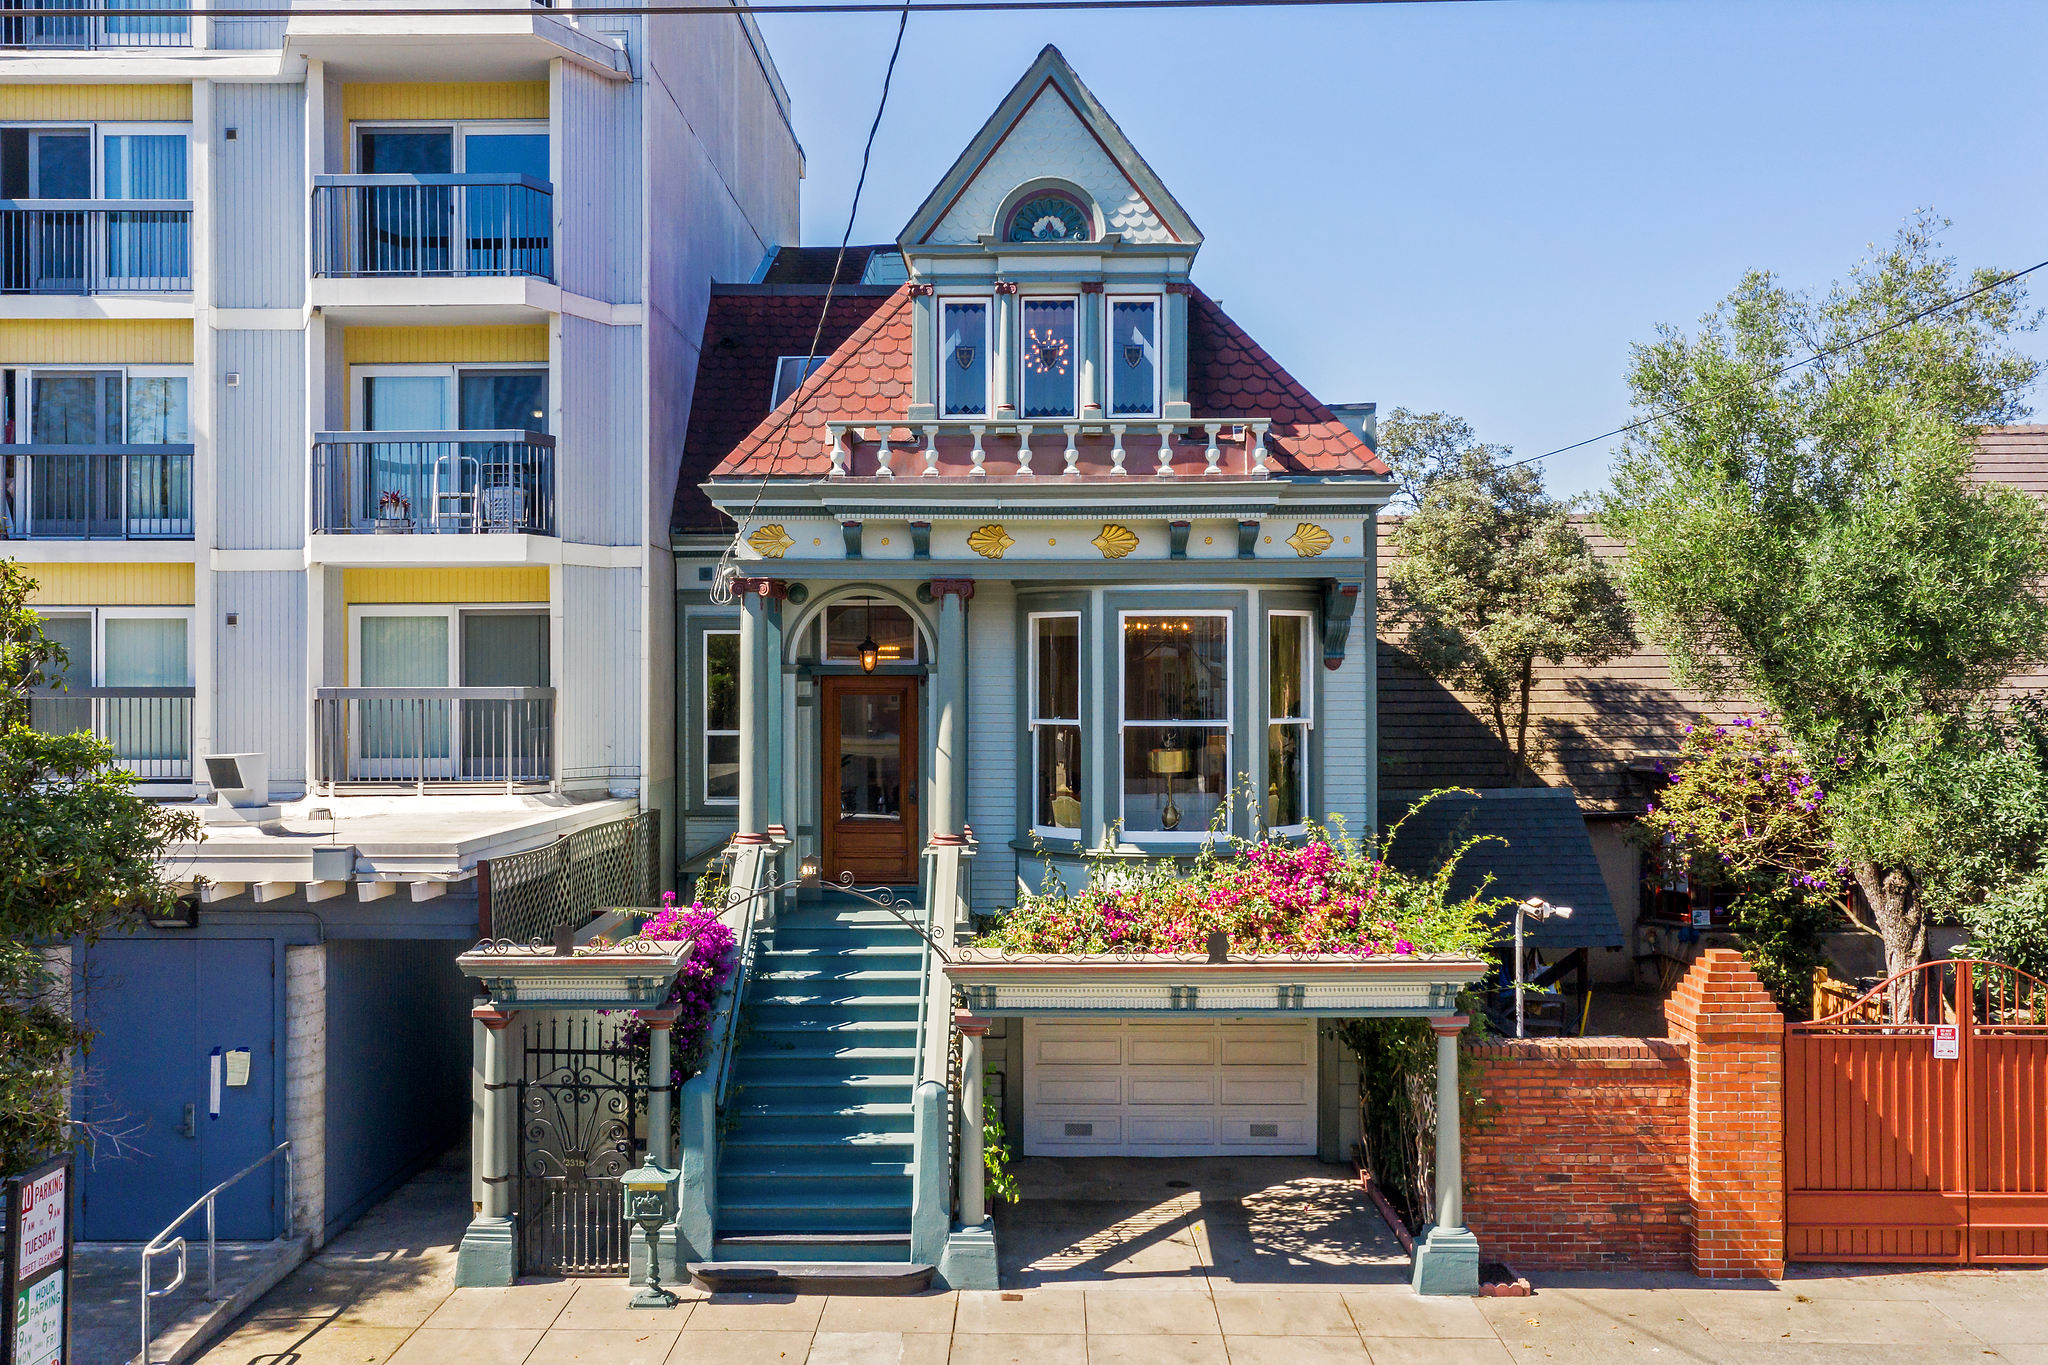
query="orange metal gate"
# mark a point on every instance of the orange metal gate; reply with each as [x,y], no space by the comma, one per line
[1916,1121]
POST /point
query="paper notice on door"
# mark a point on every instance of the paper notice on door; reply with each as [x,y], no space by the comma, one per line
[238,1066]
[213,1087]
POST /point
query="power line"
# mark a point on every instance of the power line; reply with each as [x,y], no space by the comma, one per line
[721,588]
[1788,367]
[737,7]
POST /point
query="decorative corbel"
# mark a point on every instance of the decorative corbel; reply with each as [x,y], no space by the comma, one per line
[851,530]
[1340,601]
[920,540]
[1177,540]
[1248,539]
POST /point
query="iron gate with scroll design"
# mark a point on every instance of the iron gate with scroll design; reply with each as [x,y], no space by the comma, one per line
[1916,1121]
[580,1102]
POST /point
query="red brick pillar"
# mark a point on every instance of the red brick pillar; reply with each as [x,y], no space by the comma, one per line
[1737,1182]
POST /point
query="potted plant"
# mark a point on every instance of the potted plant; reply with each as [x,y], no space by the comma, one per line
[394,513]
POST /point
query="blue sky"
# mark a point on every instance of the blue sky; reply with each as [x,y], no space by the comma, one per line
[1478,207]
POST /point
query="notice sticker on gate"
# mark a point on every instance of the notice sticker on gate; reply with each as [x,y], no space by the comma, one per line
[1948,1042]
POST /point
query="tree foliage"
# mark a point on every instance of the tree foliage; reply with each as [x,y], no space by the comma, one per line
[79,857]
[1492,576]
[1812,537]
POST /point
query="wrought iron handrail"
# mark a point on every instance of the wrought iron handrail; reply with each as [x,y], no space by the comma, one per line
[444,482]
[440,225]
[95,246]
[101,492]
[158,1244]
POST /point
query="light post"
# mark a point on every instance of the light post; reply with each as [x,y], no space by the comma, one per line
[1541,909]
[647,1203]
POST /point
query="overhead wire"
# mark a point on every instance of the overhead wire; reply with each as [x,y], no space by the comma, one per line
[728,562]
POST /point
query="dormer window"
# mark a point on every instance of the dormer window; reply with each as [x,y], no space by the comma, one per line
[1133,357]
[1050,364]
[963,357]
[1050,217]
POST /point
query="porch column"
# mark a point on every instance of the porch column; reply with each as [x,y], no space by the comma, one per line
[757,597]
[1447,1257]
[488,1254]
[949,774]
[660,1148]
[973,1209]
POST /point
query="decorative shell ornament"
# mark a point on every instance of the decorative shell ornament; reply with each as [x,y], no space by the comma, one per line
[1115,541]
[771,541]
[1310,540]
[989,541]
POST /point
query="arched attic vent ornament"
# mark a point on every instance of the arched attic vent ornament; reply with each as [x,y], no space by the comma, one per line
[1050,218]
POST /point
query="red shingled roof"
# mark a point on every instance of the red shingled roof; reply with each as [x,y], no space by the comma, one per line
[868,377]
[745,330]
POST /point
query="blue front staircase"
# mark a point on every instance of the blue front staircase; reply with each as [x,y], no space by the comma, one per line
[817,1157]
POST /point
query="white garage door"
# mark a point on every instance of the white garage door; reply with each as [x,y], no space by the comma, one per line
[1142,1089]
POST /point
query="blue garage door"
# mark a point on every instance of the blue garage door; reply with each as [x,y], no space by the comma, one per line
[160,1008]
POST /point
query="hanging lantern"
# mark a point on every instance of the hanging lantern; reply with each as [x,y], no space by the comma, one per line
[870,652]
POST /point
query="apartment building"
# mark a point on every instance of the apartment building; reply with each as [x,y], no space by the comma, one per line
[344,366]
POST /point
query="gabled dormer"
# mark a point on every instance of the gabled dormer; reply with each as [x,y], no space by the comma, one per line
[1050,269]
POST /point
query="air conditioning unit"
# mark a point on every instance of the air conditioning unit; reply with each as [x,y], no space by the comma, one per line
[239,781]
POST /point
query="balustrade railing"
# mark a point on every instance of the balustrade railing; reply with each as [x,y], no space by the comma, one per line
[383,226]
[95,246]
[49,31]
[150,728]
[62,492]
[421,737]
[434,482]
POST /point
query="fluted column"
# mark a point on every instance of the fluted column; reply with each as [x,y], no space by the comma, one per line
[758,599]
[949,773]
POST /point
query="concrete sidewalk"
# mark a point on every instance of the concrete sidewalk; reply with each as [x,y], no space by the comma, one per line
[106,1286]
[381,1295]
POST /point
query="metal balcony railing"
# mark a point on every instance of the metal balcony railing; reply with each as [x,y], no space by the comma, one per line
[149,727]
[384,226]
[95,246]
[433,482]
[61,492]
[88,33]
[421,737]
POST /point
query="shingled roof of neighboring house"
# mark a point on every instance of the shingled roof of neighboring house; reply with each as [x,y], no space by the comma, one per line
[1600,731]
[869,377]
[1544,852]
[746,329]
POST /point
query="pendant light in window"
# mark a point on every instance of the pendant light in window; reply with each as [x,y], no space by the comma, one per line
[870,652]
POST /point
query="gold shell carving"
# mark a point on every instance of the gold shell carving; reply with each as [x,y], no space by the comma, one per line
[1310,540]
[989,541]
[771,541]
[1115,541]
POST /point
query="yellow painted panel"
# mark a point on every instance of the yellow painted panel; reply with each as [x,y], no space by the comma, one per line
[445,345]
[95,341]
[361,586]
[110,103]
[110,585]
[446,100]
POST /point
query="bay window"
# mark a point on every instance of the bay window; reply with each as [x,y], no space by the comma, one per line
[963,357]
[1055,691]
[1049,360]
[1175,720]
[1133,357]
[1287,719]
[721,695]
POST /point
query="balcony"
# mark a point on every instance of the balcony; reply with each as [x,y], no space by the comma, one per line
[64,492]
[433,483]
[95,246]
[149,727]
[442,738]
[432,227]
[85,33]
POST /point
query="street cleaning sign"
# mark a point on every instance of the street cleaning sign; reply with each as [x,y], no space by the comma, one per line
[35,1311]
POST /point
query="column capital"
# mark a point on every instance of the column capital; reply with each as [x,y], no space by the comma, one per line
[490,1016]
[973,1025]
[962,587]
[1006,286]
[664,1017]
[1091,286]
[921,290]
[1179,287]
[768,589]
[1448,1025]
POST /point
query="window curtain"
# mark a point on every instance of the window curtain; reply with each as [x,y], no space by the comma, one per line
[146,248]
[145,651]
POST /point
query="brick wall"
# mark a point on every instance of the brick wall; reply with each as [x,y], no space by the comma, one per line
[1578,1159]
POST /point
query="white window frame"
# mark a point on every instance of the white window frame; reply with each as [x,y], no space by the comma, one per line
[704,729]
[1226,725]
[24,391]
[1034,722]
[102,131]
[988,346]
[457,129]
[777,395]
[99,616]
[1074,369]
[1111,356]
[1306,720]
[451,411]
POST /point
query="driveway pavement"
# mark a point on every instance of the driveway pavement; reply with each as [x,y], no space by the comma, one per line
[1186,1295]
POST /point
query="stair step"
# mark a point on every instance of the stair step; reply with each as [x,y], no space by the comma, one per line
[852,1165]
[882,979]
[738,1218]
[811,1277]
[827,1051]
[773,1140]
[811,1017]
[850,1109]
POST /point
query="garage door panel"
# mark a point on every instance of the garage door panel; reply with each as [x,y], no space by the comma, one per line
[1146,1089]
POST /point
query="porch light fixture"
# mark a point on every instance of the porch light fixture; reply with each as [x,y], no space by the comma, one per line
[870,652]
[1538,908]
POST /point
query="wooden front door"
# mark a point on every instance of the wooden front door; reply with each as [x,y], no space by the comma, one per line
[870,779]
